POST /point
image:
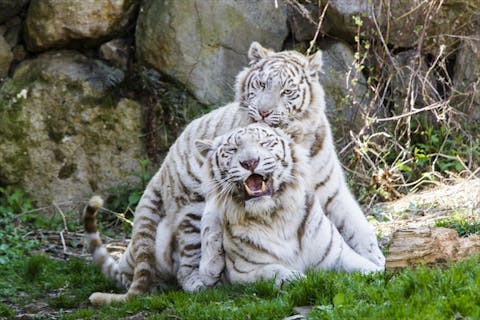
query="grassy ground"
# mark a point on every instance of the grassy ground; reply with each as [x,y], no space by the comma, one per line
[41,287]
[45,275]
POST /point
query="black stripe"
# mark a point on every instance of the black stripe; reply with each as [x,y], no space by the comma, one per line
[190,247]
[150,220]
[330,244]
[241,256]
[146,206]
[317,145]
[190,173]
[193,216]
[141,234]
[329,200]
[308,210]
[327,178]
[187,227]
[234,266]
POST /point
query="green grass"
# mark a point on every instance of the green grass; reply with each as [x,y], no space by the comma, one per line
[50,288]
[424,293]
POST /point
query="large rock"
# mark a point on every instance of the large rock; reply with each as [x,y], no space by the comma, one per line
[204,44]
[53,23]
[10,8]
[6,57]
[346,93]
[64,133]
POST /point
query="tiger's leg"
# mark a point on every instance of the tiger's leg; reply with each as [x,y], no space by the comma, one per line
[324,248]
[239,272]
[189,248]
[148,214]
[212,260]
[345,213]
[338,202]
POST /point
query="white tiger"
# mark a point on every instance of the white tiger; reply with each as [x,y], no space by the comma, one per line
[279,89]
[261,217]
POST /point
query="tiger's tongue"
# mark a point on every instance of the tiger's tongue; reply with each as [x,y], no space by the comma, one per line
[254,185]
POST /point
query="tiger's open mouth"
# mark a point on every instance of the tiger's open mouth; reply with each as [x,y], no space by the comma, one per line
[257,185]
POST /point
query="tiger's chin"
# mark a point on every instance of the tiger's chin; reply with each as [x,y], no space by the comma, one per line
[263,205]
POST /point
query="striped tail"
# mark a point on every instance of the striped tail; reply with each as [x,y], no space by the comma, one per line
[101,257]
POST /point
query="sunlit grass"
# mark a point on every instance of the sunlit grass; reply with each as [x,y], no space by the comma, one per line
[424,293]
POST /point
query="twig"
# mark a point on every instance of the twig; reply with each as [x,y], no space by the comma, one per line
[63,242]
[64,219]
[320,21]
[409,114]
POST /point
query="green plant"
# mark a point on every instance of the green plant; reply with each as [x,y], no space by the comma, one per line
[124,198]
[14,204]
[461,224]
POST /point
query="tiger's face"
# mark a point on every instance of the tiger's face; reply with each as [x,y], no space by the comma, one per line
[249,165]
[277,87]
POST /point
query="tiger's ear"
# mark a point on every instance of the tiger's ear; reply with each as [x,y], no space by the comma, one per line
[257,52]
[204,146]
[315,63]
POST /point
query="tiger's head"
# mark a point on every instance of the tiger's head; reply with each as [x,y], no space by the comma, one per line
[251,166]
[279,87]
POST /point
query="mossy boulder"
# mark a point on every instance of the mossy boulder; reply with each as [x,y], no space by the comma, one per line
[56,24]
[64,132]
[204,44]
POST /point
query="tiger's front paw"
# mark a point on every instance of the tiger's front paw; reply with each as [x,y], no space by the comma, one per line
[211,271]
[374,254]
[283,276]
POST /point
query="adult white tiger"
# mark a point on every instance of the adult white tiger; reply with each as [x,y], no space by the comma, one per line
[262,218]
[280,89]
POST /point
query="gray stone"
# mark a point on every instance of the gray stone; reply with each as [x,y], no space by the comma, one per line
[6,57]
[117,51]
[204,44]
[467,77]
[345,89]
[64,134]
[52,23]
[303,21]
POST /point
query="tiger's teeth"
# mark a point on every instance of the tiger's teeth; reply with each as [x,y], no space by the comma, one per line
[249,191]
[263,186]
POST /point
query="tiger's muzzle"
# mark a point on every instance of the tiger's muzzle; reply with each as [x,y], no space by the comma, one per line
[257,185]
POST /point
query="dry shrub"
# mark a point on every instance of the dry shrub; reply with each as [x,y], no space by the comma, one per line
[418,129]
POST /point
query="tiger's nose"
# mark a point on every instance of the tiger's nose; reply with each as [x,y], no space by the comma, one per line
[265,113]
[250,164]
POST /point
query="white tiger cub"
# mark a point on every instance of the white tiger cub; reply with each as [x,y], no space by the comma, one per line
[279,89]
[261,217]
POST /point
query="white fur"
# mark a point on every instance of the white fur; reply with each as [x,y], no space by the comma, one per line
[278,251]
[177,185]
